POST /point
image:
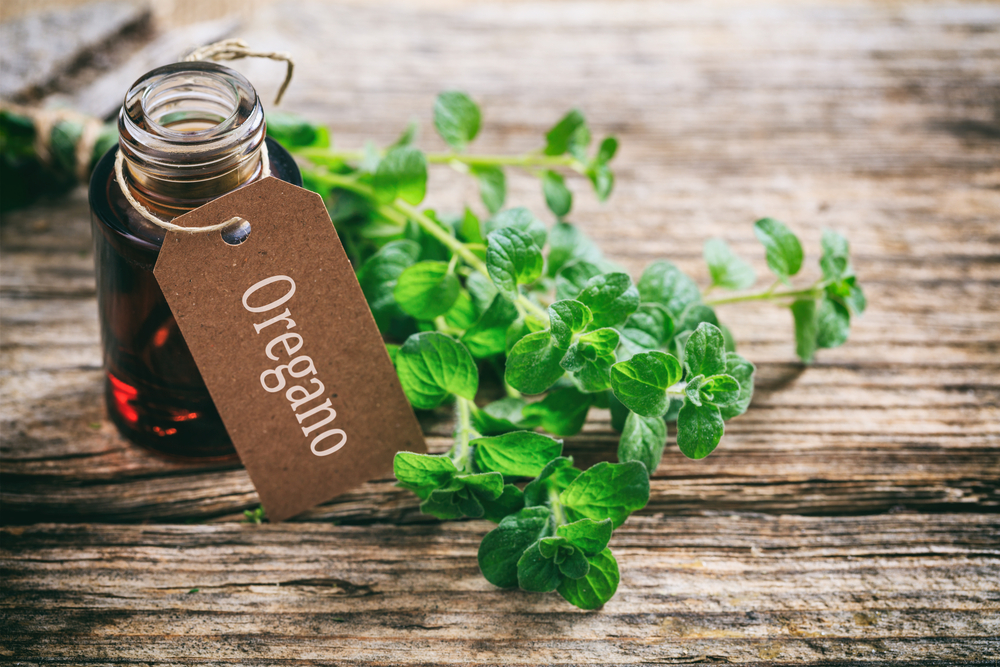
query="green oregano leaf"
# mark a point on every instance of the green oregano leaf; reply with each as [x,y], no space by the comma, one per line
[643,440]
[782,248]
[401,173]
[565,133]
[641,382]
[589,536]
[503,546]
[536,573]
[699,429]
[431,366]
[517,454]
[378,276]
[488,335]
[597,587]
[456,118]
[422,473]
[566,318]
[607,491]
[833,323]
[742,370]
[533,363]
[665,284]
[557,476]
[727,269]
[806,328]
[492,186]
[611,298]
[563,411]
[557,196]
[512,259]
[568,244]
[521,219]
[835,261]
[572,278]
[427,290]
[705,351]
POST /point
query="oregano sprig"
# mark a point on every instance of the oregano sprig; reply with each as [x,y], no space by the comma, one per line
[538,307]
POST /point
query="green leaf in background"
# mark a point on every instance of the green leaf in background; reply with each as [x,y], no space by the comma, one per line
[518,454]
[481,289]
[557,196]
[510,501]
[641,382]
[408,137]
[488,335]
[568,244]
[426,290]
[699,430]
[566,318]
[743,371]
[727,269]
[536,573]
[833,323]
[782,248]
[611,298]
[503,416]
[401,173]
[607,491]
[705,351]
[567,133]
[533,363]
[649,327]
[378,276]
[456,118]
[643,440]
[806,329]
[431,366]
[665,284]
[590,369]
[512,259]
[555,478]
[422,473]
[589,536]
[294,131]
[572,278]
[492,187]
[603,180]
[463,314]
[597,587]
[562,412]
[836,260]
[503,546]
[607,150]
[521,219]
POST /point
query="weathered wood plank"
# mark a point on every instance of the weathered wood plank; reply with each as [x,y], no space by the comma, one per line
[891,589]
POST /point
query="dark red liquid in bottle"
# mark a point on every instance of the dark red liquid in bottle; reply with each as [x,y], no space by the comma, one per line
[153,390]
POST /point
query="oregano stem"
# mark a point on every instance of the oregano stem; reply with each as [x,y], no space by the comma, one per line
[809,293]
[525,160]
[557,508]
[462,439]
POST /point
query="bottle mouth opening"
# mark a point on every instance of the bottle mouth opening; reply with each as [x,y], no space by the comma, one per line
[192,105]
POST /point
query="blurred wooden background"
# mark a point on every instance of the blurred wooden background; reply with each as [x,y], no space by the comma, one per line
[849,517]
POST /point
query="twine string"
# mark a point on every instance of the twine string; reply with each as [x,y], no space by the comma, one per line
[235,49]
[169,226]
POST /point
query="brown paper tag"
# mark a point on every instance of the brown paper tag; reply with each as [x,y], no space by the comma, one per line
[287,346]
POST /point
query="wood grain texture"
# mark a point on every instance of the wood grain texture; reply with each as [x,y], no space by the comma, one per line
[850,517]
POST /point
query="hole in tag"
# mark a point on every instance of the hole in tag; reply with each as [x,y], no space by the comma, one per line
[236,233]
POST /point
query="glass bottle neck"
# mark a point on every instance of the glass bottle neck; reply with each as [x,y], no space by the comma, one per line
[190,132]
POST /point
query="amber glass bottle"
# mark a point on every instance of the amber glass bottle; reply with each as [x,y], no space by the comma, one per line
[189,132]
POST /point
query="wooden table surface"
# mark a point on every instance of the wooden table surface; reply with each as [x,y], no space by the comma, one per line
[849,517]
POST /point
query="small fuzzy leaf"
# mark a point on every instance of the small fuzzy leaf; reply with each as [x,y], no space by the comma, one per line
[512,259]
[782,248]
[488,336]
[641,382]
[705,351]
[557,196]
[492,186]
[572,278]
[699,430]
[607,491]
[533,363]
[503,546]
[510,501]
[536,573]
[431,366]
[727,269]
[401,173]
[806,329]
[611,298]
[589,536]
[557,475]
[743,371]
[422,473]
[836,259]
[517,454]
[521,219]
[560,138]
[596,587]
[426,290]
[643,440]
[567,317]
[456,118]
[833,323]
[720,390]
